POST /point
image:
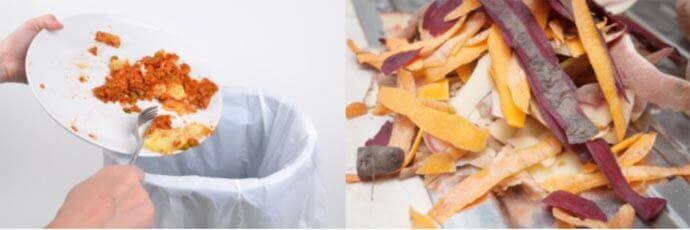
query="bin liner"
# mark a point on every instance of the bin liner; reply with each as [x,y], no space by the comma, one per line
[258,169]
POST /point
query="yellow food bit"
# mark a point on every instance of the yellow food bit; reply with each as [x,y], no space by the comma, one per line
[167,141]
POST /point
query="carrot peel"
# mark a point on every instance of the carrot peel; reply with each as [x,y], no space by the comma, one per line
[478,184]
[448,127]
[500,65]
[603,66]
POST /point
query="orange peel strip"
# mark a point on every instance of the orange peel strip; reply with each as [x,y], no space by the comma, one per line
[477,38]
[466,7]
[470,28]
[365,57]
[501,56]
[474,24]
[601,63]
[353,46]
[518,85]
[464,56]
[582,182]
[395,43]
[351,178]
[437,163]
[557,27]
[413,151]
[570,219]
[448,127]
[355,109]
[574,47]
[478,184]
[465,71]
[371,59]
[620,146]
[427,47]
[435,91]
[406,80]
[403,131]
[638,150]
[457,154]
[589,167]
[380,110]
[624,218]
[438,105]
[419,220]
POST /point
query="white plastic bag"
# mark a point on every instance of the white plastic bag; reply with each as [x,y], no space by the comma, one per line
[259,169]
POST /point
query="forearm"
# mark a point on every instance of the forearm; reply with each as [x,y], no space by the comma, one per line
[8,65]
[4,75]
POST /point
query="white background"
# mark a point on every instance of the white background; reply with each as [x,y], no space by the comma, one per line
[287,48]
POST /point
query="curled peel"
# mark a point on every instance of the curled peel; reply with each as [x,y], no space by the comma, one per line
[478,184]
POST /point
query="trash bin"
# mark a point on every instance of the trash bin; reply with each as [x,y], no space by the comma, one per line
[258,169]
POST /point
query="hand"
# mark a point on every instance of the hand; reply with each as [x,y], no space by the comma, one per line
[112,198]
[13,48]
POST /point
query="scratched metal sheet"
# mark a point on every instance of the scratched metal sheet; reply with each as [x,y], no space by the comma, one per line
[515,208]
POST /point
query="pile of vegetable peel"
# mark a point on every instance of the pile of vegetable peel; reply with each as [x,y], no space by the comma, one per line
[536,81]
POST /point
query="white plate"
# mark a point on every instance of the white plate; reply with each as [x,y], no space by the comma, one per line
[55,60]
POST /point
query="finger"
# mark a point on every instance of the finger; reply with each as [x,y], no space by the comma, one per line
[53,23]
[47,21]
[126,172]
[121,178]
[134,210]
[144,215]
[141,216]
[138,172]
[135,196]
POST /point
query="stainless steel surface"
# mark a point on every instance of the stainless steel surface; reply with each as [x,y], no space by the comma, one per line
[144,117]
[368,15]
[370,21]
[659,17]
[671,148]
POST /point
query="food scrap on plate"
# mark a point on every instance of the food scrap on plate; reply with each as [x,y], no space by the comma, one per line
[157,77]
[510,88]
[108,39]
[163,138]
[161,78]
[93,51]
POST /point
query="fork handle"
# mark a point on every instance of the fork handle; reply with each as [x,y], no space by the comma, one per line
[140,144]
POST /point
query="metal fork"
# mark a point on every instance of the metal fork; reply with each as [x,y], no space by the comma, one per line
[144,117]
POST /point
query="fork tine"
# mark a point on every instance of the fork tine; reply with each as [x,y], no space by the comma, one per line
[154,112]
[147,114]
[150,109]
[151,112]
